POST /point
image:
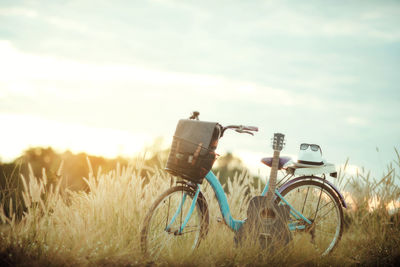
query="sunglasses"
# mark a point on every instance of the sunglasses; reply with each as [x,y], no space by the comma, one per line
[313,147]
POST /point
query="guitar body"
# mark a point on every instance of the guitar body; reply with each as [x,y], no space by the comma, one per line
[267,222]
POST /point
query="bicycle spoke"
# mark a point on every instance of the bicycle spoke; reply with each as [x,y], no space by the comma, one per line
[319,200]
[160,245]
[158,224]
[189,231]
[321,208]
[305,199]
[191,226]
[327,212]
[316,201]
[326,232]
[157,240]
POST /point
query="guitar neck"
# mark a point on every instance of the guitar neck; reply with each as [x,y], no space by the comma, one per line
[273,176]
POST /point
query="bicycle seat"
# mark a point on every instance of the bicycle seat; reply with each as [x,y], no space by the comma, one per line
[282,161]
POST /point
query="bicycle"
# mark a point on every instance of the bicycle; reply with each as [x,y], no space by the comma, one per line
[179,217]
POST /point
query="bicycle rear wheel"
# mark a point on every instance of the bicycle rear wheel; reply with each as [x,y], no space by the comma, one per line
[318,203]
[160,234]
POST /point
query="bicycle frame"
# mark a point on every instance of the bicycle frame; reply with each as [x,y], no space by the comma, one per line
[225,210]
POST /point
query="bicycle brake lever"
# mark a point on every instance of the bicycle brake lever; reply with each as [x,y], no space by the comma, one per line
[243,131]
[248,132]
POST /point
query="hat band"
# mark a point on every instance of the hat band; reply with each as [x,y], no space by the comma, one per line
[310,162]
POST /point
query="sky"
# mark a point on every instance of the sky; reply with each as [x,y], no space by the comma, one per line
[108,78]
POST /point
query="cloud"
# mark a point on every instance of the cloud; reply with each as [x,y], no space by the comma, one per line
[66,24]
[357,121]
[27,74]
[18,11]
[309,19]
[273,44]
[60,79]
[361,25]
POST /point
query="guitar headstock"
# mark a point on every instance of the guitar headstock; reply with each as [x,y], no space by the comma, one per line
[278,141]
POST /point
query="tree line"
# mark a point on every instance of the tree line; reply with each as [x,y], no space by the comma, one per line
[75,167]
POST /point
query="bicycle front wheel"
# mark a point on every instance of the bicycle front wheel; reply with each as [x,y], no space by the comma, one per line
[319,204]
[161,235]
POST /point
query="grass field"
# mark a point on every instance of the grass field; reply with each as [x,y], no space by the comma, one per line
[101,227]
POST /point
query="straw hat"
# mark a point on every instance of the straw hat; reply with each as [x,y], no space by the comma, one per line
[310,155]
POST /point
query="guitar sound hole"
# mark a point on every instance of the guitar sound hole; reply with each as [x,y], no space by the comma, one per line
[267,214]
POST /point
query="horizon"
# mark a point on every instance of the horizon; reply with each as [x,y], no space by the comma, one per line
[254,168]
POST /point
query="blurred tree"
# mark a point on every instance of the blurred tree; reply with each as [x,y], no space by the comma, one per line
[75,168]
[226,166]
[47,160]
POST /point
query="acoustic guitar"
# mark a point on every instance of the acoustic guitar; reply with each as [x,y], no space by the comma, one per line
[266,221]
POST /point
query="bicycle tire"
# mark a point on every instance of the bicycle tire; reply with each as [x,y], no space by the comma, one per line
[174,243]
[294,191]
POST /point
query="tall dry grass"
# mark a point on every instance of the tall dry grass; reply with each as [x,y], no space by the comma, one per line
[102,226]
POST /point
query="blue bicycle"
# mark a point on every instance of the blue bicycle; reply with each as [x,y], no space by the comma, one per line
[179,218]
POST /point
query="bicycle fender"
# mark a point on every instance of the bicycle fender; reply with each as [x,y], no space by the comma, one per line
[189,184]
[193,186]
[319,179]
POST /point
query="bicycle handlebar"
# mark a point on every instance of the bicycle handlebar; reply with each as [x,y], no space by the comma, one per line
[241,129]
[237,128]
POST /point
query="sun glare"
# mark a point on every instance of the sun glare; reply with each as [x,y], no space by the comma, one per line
[350,169]
[373,203]
[393,206]
[349,200]
[76,138]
